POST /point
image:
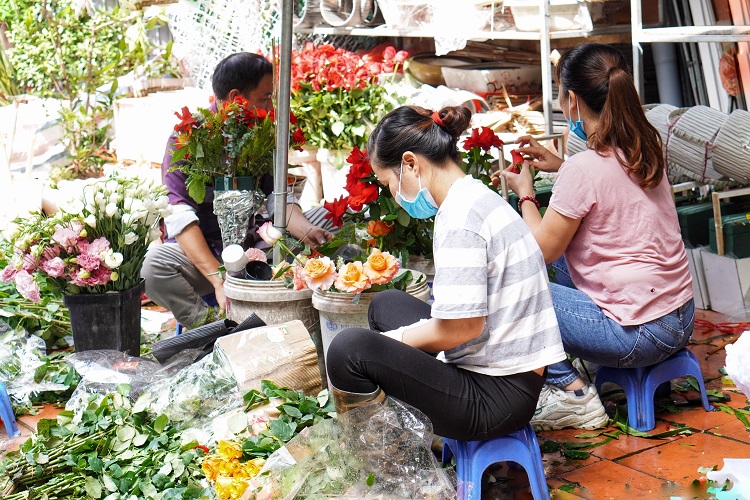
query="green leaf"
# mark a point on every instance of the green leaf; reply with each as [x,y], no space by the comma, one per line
[96,464]
[237,422]
[575,454]
[403,218]
[550,446]
[292,411]
[139,439]
[161,423]
[125,433]
[370,479]
[197,191]
[93,487]
[109,484]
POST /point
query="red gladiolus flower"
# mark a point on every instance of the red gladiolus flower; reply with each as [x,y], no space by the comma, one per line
[484,139]
[186,120]
[336,210]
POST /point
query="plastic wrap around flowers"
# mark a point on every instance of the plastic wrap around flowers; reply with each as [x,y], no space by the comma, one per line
[318,272]
[234,210]
[92,245]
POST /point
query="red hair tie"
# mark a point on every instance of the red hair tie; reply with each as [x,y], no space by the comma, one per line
[436,118]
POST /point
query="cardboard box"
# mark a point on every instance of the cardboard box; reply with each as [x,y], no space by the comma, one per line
[284,354]
[728,282]
[700,289]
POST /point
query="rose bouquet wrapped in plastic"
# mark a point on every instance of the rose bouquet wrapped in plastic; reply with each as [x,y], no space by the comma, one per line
[94,244]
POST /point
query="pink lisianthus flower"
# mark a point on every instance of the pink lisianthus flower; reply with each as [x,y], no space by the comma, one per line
[67,236]
[54,267]
[50,253]
[101,276]
[9,273]
[27,287]
[98,246]
[29,263]
[89,261]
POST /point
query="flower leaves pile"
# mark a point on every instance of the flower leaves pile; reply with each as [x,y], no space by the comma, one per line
[370,205]
[108,452]
[236,140]
[335,93]
[94,245]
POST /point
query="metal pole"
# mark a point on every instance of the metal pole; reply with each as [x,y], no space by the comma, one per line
[636,23]
[545,49]
[281,158]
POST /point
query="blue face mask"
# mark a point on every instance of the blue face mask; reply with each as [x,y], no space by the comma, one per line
[423,205]
[577,127]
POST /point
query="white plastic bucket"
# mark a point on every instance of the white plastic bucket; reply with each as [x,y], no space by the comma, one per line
[338,311]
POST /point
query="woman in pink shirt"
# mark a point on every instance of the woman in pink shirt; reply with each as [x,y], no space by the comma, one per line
[623,293]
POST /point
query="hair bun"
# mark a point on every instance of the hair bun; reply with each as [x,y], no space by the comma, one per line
[456,119]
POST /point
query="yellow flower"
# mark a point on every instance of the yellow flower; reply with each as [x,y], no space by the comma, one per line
[352,278]
[381,267]
[229,488]
[319,273]
[230,449]
[210,467]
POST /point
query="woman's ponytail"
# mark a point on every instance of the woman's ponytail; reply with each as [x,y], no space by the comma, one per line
[623,126]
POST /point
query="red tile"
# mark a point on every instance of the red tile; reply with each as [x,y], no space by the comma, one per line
[679,461]
[695,418]
[47,411]
[610,480]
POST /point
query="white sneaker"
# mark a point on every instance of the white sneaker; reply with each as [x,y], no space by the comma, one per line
[558,409]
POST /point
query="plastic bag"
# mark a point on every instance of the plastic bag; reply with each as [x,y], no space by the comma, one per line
[193,396]
[378,451]
[20,362]
[102,371]
[738,362]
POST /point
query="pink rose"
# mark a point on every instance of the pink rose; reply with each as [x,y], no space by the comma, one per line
[319,273]
[269,234]
[54,267]
[27,287]
[256,254]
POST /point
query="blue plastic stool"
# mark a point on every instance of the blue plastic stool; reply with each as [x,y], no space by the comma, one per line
[209,299]
[640,385]
[473,457]
[6,413]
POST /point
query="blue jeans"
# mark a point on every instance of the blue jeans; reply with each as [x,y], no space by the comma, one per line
[590,335]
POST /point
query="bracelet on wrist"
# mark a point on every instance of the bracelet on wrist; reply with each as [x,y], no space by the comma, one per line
[528,198]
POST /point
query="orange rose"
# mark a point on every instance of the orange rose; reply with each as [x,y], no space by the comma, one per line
[352,278]
[230,489]
[379,228]
[381,267]
[319,273]
[210,466]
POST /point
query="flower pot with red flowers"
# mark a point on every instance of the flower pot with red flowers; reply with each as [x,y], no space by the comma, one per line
[231,148]
[339,97]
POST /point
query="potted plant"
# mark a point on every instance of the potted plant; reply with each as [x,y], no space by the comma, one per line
[92,250]
[232,147]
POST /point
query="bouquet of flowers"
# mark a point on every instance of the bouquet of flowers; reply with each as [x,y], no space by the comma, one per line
[336,95]
[370,217]
[375,271]
[236,140]
[93,245]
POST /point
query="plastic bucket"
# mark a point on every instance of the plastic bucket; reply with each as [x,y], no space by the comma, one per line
[274,303]
[338,311]
[106,320]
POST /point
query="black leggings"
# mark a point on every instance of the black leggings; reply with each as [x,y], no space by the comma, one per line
[461,404]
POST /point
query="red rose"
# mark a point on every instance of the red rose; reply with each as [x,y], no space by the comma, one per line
[298,139]
[484,139]
[389,54]
[336,210]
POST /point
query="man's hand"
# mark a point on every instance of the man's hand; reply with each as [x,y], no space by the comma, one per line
[221,299]
[316,236]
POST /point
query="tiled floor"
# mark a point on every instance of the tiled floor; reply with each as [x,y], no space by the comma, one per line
[631,467]
[626,467]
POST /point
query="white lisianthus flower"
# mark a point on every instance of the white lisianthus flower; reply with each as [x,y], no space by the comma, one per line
[36,250]
[115,198]
[111,186]
[90,221]
[112,260]
[154,234]
[130,238]
[99,198]
[110,209]
[89,196]
[127,219]
[167,211]
[162,202]
[73,207]
[150,219]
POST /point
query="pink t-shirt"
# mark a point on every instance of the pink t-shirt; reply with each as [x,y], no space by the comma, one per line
[627,254]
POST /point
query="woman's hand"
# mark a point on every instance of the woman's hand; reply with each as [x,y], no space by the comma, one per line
[521,183]
[542,158]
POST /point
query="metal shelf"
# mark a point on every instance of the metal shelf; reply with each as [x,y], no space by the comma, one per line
[543,36]
[695,34]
